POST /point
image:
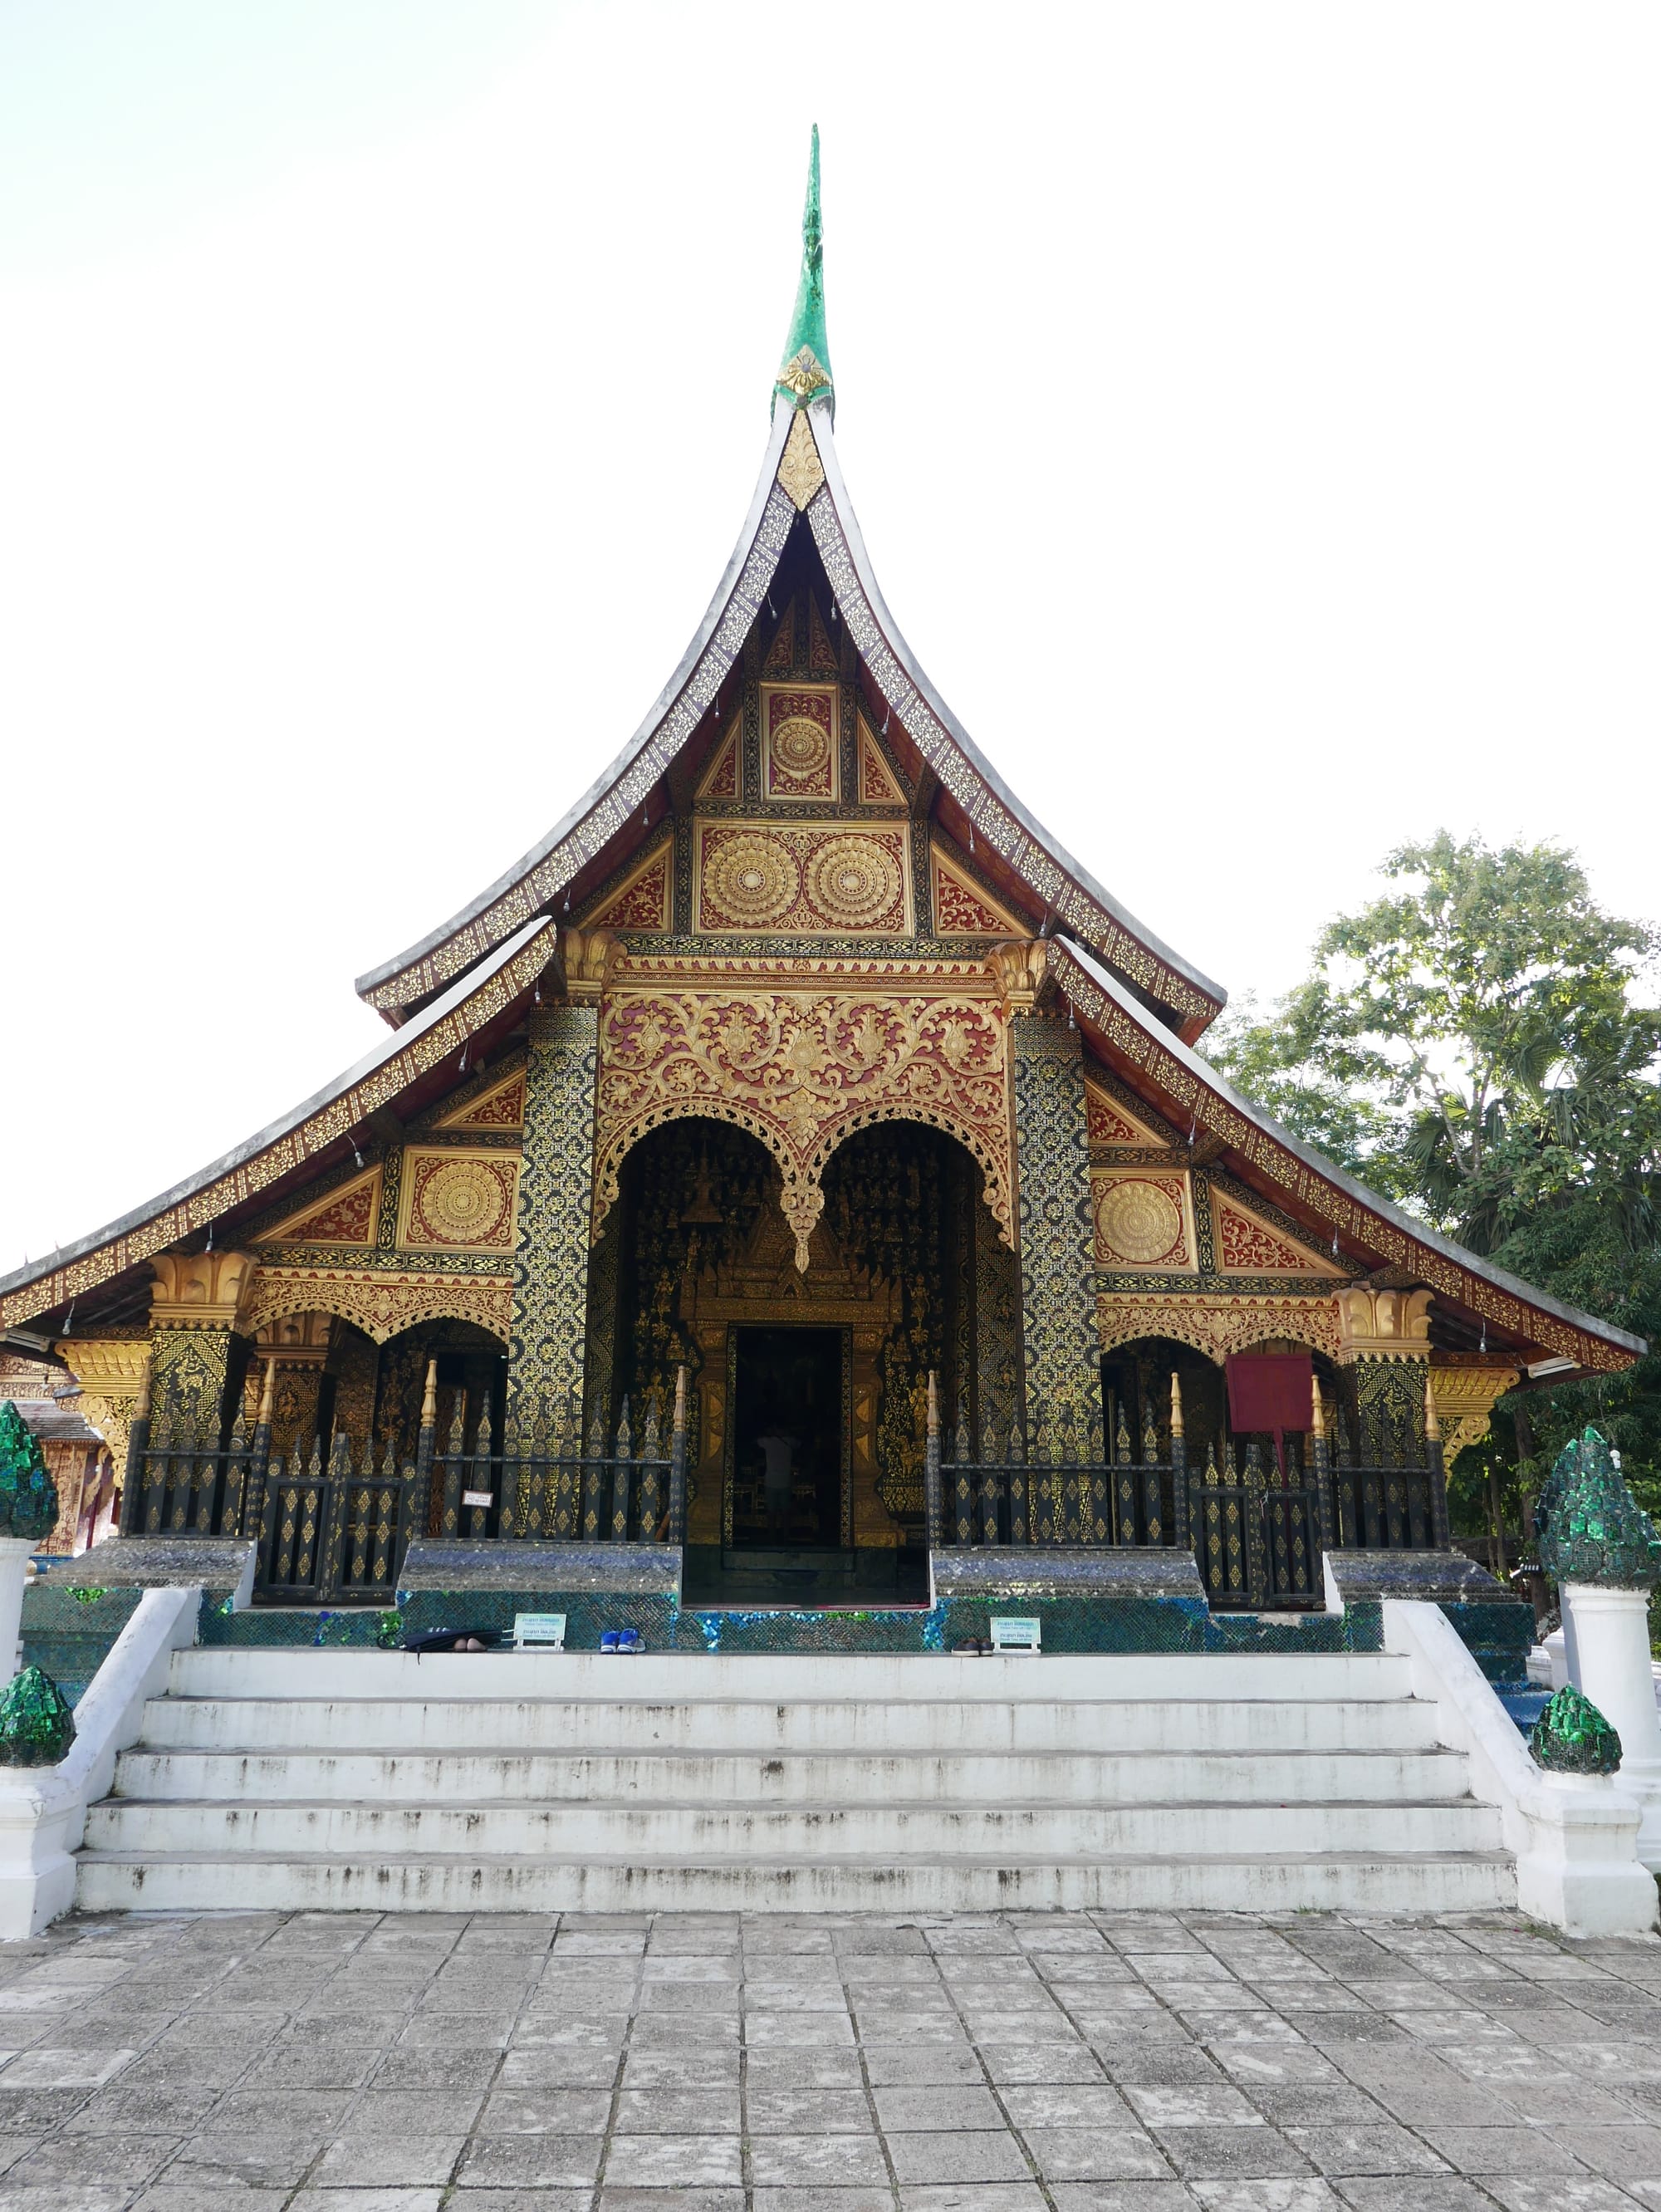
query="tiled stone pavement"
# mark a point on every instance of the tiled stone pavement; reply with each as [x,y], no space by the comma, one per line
[1085,2062]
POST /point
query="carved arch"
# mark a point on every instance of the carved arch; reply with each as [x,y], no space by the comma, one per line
[1218,1326]
[994,1171]
[383,1306]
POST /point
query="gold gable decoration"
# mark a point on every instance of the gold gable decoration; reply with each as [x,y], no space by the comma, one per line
[1144,1218]
[641,901]
[801,471]
[1112,1123]
[347,1216]
[720,779]
[501,1107]
[963,909]
[878,784]
[1246,1244]
[457,1201]
[751,877]
[800,1070]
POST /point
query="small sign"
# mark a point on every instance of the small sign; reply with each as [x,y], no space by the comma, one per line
[1016,1635]
[478,1498]
[546,1630]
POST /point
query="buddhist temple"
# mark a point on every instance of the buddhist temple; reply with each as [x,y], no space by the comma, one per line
[796,1164]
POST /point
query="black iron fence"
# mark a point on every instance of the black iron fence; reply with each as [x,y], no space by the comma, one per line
[1259,1527]
[335,1531]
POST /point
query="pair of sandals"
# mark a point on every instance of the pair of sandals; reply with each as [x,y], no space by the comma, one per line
[972,1647]
[622,1639]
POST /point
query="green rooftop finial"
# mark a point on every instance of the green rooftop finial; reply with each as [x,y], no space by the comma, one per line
[805,373]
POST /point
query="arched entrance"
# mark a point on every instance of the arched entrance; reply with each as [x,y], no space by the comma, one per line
[807,1407]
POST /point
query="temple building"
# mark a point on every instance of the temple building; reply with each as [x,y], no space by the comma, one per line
[798,1158]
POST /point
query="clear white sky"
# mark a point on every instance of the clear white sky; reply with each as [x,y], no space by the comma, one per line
[1253,412]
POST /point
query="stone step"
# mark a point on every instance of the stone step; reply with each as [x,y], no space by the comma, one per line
[697,1832]
[473,1774]
[229,1671]
[1470,1881]
[772,1725]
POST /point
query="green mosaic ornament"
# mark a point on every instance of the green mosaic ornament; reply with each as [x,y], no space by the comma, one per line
[1573,1737]
[804,374]
[1597,1531]
[29,1496]
[36,1725]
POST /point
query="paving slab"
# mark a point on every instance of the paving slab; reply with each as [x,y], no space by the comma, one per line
[691,2062]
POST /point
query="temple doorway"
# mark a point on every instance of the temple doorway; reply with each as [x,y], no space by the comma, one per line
[790,1435]
[697,1268]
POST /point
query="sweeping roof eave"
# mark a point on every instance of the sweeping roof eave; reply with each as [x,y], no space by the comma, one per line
[1162,973]
[614,796]
[326,1118]
[1326,1189]
[1055,881]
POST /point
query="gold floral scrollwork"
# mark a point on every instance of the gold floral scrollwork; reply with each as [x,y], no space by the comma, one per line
[1218,1325]
[380,1302]
[801,471]
[801,1071]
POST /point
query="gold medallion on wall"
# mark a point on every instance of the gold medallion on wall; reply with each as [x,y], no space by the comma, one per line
[1144,1219]
[799,880]
[458,1201]
[800,747]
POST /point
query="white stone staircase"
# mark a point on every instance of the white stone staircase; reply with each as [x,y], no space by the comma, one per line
[540,1782]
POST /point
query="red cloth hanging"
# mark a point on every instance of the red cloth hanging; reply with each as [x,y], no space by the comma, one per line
[1269,1390]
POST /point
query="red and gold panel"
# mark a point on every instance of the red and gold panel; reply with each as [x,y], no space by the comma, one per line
[501,1107]
[821,648]
[456,1201]
[752,878]
[878,785]
[643,901]
[347,1216]
[799,741]
[1111,1123]
[1246,1246]
[720,778]
[962,909]
[1144,1219]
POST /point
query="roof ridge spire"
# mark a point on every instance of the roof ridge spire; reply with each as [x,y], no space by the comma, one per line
[804,374]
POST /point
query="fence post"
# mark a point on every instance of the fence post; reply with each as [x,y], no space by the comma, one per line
[1256,1536]
[623,1468]
[652,1505]
[253,1494]
[1153,1519]
[1438,1528]
[1179,1468]
[427,1445]
[1323,1465]
[678,1463]
[934,1512]
[1020,1531]
[483,1475]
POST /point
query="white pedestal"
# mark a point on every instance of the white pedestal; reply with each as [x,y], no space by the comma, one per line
[15,1553]
[1610,1641]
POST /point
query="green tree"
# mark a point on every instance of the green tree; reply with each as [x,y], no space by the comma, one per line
[1478,1044]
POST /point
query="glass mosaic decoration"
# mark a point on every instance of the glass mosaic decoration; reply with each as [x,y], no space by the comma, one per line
[1597,1532]
[1573,1737]
[29,1496]
[36,1725]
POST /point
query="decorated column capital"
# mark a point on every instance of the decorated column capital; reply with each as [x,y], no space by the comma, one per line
[1382,1324]
[199,1290]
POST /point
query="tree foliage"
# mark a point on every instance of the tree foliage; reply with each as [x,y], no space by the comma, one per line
[1479,1044]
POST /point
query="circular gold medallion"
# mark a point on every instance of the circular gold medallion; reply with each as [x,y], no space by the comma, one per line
[801,749]
[1139,1222]
[749,879]
[465,1203]
[854,882]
